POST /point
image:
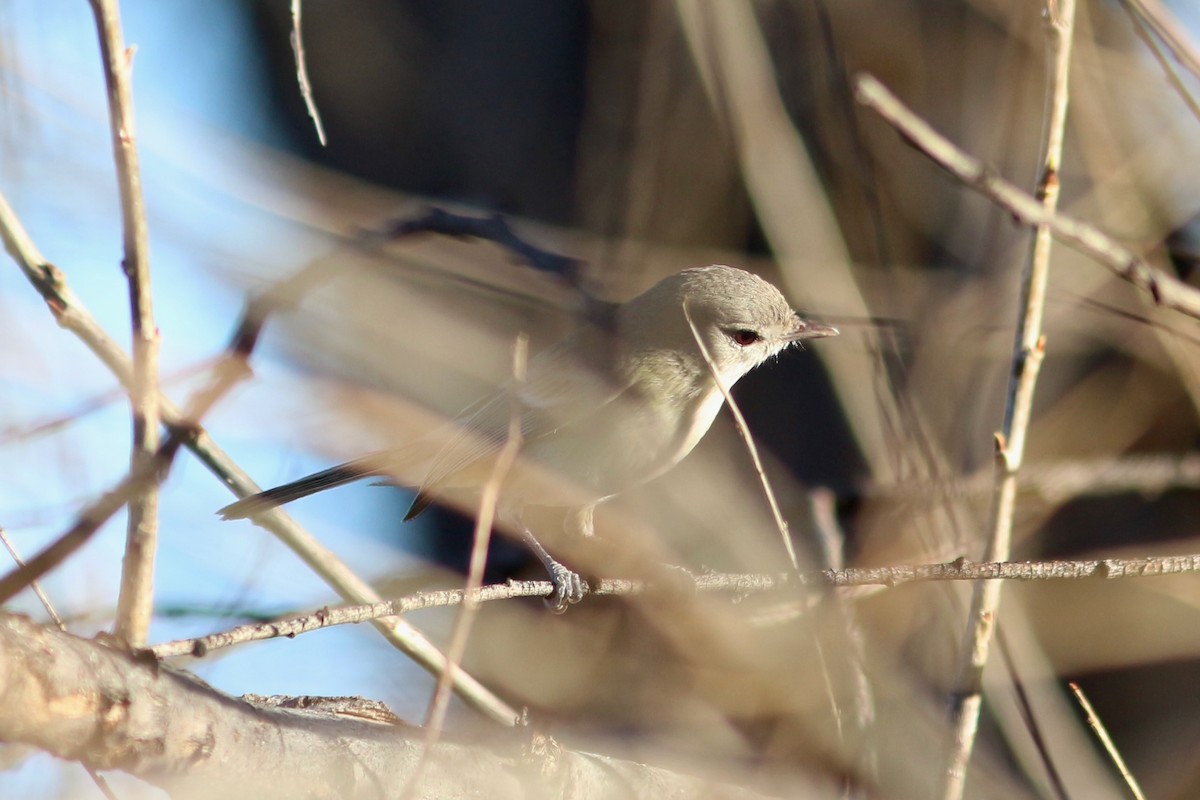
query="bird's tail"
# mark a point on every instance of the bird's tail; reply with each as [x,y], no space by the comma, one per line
[318,481]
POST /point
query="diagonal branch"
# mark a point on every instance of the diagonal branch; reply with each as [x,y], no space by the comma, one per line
[70,313]
[1165,290]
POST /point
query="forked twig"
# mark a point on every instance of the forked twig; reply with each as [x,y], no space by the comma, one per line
[146,473]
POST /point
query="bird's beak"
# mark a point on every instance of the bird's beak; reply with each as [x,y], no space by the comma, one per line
[810,330]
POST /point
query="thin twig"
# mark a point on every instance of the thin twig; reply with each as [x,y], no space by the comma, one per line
[1143,30]
[147,473]
[70,313]
[35,586]
[489,497]
[1160,19]
[435,718]
[1028,354]
[1165,290]
[1102,734]
[735,584]
[744,431]
[302,74]
[1025,709]
[136,602]
[780,523]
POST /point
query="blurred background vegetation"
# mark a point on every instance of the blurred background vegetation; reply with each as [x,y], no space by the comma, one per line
[643,138]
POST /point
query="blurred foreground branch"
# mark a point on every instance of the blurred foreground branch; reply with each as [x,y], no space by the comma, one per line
[70,313]
[110,709]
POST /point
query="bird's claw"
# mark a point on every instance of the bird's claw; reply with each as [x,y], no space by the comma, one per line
[569,587]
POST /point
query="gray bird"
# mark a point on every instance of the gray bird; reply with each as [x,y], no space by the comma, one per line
[607,408]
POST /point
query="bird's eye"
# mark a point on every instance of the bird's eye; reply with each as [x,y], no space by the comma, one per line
[744,336]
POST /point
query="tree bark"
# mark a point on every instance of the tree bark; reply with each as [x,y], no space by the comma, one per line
[80,699]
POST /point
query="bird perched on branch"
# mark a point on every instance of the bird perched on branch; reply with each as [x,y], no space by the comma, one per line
[611,406]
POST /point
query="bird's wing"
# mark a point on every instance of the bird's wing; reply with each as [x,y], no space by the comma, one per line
[566,383]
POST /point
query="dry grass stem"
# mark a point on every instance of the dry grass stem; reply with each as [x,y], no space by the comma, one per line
[435,718]
[302,74]
[744,431]
[1145,32]
[1097,725]
[35,586]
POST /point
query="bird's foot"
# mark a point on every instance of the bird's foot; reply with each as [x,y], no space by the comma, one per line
[569,587]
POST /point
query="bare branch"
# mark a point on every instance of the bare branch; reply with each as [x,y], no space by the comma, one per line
[70,313]
[735,584]
[1028,353]
[1164,290]
[136,603]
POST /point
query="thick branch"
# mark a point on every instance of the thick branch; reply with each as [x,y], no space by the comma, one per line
[79,699]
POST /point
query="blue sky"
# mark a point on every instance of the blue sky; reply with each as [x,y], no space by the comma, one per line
[202,115]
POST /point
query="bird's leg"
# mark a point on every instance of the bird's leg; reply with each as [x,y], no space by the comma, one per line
[581,521]
[569,587]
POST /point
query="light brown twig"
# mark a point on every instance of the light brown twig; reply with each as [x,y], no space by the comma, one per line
[1028,353]
[70,313]
[435,719]
[1101,732]
[744,432]
[136,602]
[736,584]
[1163,289]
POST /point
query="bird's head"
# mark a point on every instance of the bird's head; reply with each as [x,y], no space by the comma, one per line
[742,319]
